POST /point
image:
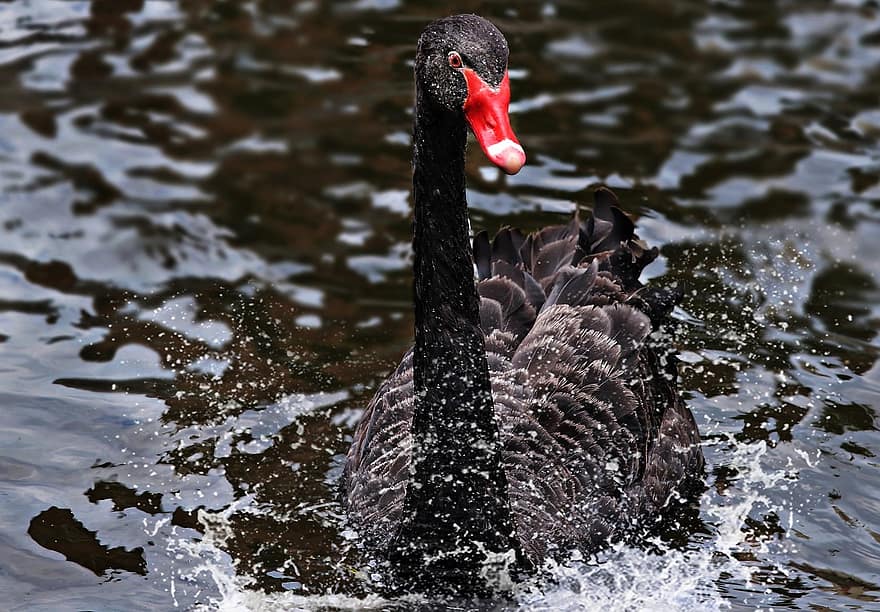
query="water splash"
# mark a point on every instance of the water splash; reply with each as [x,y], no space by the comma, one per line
[627,578]
[207,579]
[621,579]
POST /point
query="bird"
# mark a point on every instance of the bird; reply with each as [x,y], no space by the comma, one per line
[534,416]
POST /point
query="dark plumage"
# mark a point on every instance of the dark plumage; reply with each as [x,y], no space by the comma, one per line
[540,416]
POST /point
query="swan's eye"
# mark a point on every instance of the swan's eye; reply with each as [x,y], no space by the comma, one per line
[454,59]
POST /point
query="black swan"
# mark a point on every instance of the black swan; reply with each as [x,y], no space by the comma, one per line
[532,417]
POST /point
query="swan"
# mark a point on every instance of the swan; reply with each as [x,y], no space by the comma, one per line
[532,417]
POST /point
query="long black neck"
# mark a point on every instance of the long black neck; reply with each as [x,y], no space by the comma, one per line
[456,506]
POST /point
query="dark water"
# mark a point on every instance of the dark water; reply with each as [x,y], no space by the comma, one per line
[204,274]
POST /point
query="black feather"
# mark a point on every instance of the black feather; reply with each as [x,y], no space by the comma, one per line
[506,245]
[482,255]
[594,435]
[573,285]
[551,258]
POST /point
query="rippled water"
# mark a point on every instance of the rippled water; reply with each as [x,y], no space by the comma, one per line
[204,274]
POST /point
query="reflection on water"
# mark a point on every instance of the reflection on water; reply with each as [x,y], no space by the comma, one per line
[204,274]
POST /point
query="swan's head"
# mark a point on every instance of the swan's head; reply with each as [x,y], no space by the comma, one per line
[461,66]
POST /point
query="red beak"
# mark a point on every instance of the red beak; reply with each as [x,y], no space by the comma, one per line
[486,110]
